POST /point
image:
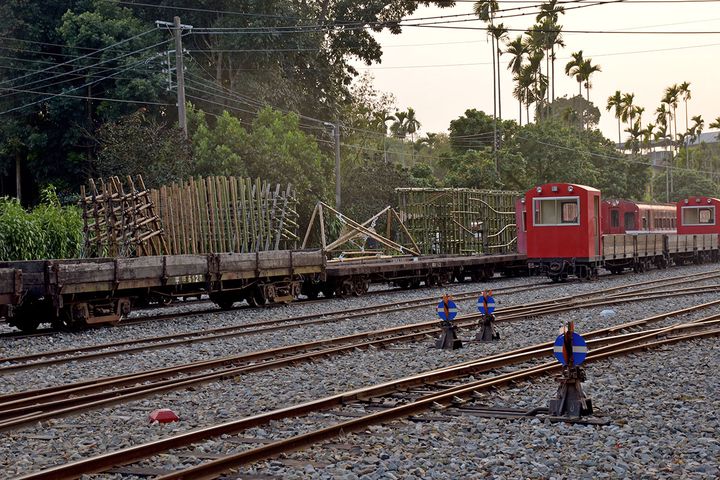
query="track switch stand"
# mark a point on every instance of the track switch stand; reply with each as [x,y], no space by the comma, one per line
[447,310]
[486,305]
[570,401]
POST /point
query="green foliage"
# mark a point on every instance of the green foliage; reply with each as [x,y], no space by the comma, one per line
[49,231]
[217,150]
[275,149]
[370,186]
[685,183]
[576,112]
[138,145]
[474,169]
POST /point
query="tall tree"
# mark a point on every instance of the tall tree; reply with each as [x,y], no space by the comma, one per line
[671,97]
[485,11]
[616,101]
[716,124]
[573,68]
[518,49]
[684,90]
[587,69]
[548,17]
[499,33]
[411,126]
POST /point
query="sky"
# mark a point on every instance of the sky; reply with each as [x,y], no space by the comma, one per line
[442,72]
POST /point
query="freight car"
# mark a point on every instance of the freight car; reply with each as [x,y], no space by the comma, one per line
[565,237]
[78,293]
[73,293]
[628,216]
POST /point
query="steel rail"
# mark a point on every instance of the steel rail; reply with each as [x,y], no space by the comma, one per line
[26,409]
[138,321]
[128,455]
[242,330]
[214,468]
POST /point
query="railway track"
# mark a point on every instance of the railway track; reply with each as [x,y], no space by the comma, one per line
[388,401]
[596,298]
[20,408]
[175,315]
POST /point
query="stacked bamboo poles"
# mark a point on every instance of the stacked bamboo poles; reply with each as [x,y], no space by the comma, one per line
[119,220]
[227,214]
[459,220]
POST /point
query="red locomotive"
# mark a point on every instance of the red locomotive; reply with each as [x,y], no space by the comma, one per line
[627,216]
[563,230]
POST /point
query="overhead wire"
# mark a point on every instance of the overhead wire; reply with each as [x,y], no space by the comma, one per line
[114,45]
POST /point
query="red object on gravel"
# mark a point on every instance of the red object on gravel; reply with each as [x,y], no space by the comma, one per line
[163,415]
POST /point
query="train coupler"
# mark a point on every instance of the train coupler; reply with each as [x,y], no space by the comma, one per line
[570,400]
[448,337]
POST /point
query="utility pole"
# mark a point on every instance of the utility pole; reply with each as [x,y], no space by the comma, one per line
[338,203]
[177,29]
[336,135]
[179,71]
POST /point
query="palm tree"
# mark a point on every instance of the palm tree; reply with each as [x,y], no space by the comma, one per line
[697,127]
[628,108]
[548,17]
[716,124]
[647,135]
[411,123]
[572,68]
[616,101]
[524,79]
[518,49]
[633,141]
[671,97]
[586,70]
[684,90]
[399,127]
[485,10]
[498,32]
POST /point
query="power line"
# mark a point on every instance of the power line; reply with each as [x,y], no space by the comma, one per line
[76,88]
[122,42]
[85,97]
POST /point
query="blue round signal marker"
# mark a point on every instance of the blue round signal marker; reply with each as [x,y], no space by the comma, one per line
[490,305]
[447,314]
[579,349]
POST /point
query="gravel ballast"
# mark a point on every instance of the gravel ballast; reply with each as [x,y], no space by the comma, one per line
[662,408]
[105,429]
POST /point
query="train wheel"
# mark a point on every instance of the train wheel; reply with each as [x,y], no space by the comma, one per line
[554,278]
[328,291]
[360,286]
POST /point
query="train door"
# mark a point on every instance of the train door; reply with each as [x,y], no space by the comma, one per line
[596,229]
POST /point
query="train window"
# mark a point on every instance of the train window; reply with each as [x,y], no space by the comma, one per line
[698,215]
[630,221]
[557,211]
[615,218]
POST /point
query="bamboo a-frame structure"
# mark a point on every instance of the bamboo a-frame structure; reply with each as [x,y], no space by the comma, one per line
[355,231]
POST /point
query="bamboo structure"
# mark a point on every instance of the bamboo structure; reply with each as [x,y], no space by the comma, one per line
[459,220]
[119,219]
[355,238]
[227,214]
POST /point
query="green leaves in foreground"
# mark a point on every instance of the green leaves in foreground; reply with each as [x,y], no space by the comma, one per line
[49,231]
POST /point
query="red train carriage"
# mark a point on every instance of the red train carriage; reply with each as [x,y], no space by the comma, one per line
[698,231]
[627,216]
[563,230]
[698,215]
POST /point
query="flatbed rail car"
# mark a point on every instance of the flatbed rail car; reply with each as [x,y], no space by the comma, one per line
[82,292]
[353,277]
